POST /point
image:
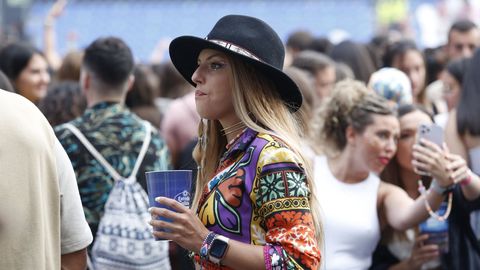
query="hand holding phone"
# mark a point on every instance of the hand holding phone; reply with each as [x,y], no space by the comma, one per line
[428,157]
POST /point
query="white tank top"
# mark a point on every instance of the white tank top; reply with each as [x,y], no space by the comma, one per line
[350,218]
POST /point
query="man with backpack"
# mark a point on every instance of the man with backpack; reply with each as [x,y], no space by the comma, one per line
[111,149]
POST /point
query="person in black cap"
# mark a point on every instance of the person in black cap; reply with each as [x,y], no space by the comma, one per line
[254,206]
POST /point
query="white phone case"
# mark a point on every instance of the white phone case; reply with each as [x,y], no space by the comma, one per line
[432,132]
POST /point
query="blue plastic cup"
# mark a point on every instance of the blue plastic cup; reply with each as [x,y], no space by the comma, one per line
[437,230]
[174,184]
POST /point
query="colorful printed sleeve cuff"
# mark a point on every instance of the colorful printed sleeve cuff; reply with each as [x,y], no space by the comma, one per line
[273,257]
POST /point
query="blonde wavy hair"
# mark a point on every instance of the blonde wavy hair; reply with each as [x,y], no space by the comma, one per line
[259,106]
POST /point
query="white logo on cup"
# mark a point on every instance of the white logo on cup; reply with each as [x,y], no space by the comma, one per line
[183,198]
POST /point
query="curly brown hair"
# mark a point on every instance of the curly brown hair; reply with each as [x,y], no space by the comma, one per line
[350,104]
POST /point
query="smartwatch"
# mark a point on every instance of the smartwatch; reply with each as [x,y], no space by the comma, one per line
[218,249]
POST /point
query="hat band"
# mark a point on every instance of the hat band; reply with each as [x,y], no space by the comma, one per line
[234,48]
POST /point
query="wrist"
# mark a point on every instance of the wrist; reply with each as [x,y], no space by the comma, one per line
[218,249]
[205,247]
[467,180]
[410,264]
[435,186]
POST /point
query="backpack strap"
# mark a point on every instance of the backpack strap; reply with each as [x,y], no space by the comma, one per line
[113,173]
[143,150]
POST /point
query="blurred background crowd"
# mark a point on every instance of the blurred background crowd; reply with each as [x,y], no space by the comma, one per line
[425,21]
[412,52]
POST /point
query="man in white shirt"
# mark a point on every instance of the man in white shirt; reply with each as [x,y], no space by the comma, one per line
[42,221]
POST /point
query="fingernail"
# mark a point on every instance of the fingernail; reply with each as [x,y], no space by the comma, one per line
[157,199]
[150,209]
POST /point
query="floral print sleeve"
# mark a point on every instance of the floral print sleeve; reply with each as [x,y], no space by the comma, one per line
[281,197]
[259,196]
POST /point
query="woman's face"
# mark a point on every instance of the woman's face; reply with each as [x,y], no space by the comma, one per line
[324,82]
[412,64]
[213,93]
[451,90]
[378,142]
[408,130]
[33,80]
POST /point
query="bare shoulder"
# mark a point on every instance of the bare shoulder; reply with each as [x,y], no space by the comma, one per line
[385,190]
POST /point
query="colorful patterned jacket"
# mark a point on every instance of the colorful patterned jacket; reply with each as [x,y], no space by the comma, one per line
[260,196]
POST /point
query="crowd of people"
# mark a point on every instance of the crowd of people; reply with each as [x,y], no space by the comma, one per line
[306,154]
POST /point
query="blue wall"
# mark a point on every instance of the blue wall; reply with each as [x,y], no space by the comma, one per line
[143,23]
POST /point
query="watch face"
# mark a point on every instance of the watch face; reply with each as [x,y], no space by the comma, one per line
[218,248]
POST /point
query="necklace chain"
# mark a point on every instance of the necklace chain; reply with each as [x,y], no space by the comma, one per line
[233,128]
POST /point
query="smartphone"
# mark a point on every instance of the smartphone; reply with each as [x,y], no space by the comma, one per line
[431,132]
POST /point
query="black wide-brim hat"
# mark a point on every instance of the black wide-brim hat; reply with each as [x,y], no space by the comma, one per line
[247,38]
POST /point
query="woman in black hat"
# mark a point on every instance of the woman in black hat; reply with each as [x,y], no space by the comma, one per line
[254,205]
